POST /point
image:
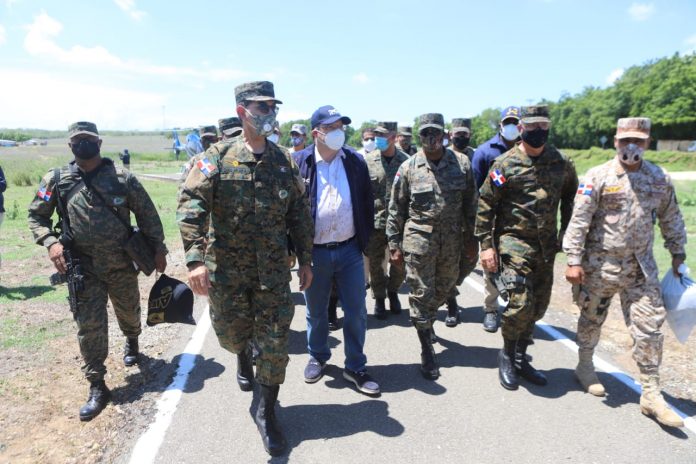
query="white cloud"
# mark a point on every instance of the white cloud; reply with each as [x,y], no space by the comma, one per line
[641,11]
[361,78]
[690,45]
[40,42]
[614,75]
[129,7]
[3,35]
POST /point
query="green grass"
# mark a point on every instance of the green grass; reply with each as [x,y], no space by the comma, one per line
[14,334]
[686,196]
[671,160]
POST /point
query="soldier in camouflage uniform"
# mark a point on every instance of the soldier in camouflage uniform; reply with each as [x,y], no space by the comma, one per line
[609,244]
[97,240]
[404,140]
[229,128]
[460,134]
[382,163]
[433,200]
[251,192]
[516,225]
[209,136]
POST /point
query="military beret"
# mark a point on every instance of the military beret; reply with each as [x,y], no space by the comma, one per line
[535,113]
[255,91]
[633,128]
[82,127]
[427,120]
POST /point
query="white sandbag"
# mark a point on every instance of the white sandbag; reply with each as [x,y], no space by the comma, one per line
[679,296]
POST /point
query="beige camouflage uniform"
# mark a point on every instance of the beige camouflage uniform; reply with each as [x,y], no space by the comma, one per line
[611,235]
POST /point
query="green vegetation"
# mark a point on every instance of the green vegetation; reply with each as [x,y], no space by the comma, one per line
[672,161]
[14,334]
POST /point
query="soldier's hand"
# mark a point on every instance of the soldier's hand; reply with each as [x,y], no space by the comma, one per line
[676,262]
[489,260]
[55,253]
[575,275]
[306,276]
[161,261]
[198,279]
[396,257]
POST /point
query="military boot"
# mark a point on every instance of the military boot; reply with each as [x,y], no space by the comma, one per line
[586,375]
[394,303]
[429,368]
[265,418]
[98,397]
[380,309]
[653,404]
[506,365]
[524,369]
[245,370]
[452,318]
[333,315]
[130,356]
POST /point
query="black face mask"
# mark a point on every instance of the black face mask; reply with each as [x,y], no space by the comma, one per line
[85,149]
[535,138]
[460,143]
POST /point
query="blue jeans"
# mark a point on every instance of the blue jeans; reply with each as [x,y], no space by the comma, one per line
[345,265]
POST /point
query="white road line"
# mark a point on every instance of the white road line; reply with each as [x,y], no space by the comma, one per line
[605,366]
[148,445]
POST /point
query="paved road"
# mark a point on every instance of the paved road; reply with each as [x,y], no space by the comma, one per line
[466,416]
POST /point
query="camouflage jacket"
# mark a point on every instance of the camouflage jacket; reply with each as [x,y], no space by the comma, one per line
[97,233]
[615,213]
[382,177]
[428,198]
[251,206]
[468,152]
[520,197]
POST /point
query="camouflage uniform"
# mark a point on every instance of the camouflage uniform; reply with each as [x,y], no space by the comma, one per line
[517,216]
[98,242]
[382,171]
[251,204]
[611,235]
[408,132]
[430,206]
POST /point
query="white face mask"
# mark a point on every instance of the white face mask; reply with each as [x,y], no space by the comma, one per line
[273,138]
[368,145]
[445,142]
[335,139]
[510,132]
[631,154]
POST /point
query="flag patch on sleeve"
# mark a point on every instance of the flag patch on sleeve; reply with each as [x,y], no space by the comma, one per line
[585,189]
[206,167]
[44,194]
[498,178]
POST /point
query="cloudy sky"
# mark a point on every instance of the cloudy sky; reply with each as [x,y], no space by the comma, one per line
[137,64]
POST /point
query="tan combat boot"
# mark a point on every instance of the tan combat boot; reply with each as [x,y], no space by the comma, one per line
[586,374]
[652,403]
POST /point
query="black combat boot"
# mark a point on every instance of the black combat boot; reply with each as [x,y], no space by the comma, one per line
[273,439]
[506,365]
[99,396]
[524,369]
[130,356]
[333,316]
[429,368]
[394,303]
[452,318]
[380,309]
[245,370]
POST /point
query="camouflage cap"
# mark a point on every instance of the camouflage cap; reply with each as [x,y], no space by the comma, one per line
[229,126]
[255,91]
[82,127]
[427,120]
[208,131]
[633,128]
[406,130]
[461,125]
[299,128]
[385,127]
[535,113]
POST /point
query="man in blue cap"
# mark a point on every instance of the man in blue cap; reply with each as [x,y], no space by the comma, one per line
[342,205]
[484,156]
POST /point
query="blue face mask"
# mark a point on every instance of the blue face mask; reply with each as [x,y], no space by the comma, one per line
[381,143]
[296,141]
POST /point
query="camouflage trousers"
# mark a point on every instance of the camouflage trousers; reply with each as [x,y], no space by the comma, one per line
[529,300]
[466,267]
[241,314]
[642,307]
[380,282]
[431,277]
[92,320]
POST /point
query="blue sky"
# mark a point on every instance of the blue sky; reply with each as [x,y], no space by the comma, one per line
[137,64]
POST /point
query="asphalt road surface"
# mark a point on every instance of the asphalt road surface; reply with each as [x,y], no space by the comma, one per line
[465,416]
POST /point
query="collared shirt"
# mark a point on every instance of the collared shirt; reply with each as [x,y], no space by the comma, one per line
[334,218]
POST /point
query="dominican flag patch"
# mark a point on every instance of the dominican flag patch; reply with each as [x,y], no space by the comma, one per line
[206,166]
[44,194]
[585,189]
[497,178]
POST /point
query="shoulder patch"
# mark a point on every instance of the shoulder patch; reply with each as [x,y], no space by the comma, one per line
[44,193]
[585,189]
[206,167]
[497,177]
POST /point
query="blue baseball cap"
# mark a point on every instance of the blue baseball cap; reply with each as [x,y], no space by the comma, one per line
[328,115]
[510,112]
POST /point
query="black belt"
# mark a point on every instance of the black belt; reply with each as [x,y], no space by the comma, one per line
[332,245]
